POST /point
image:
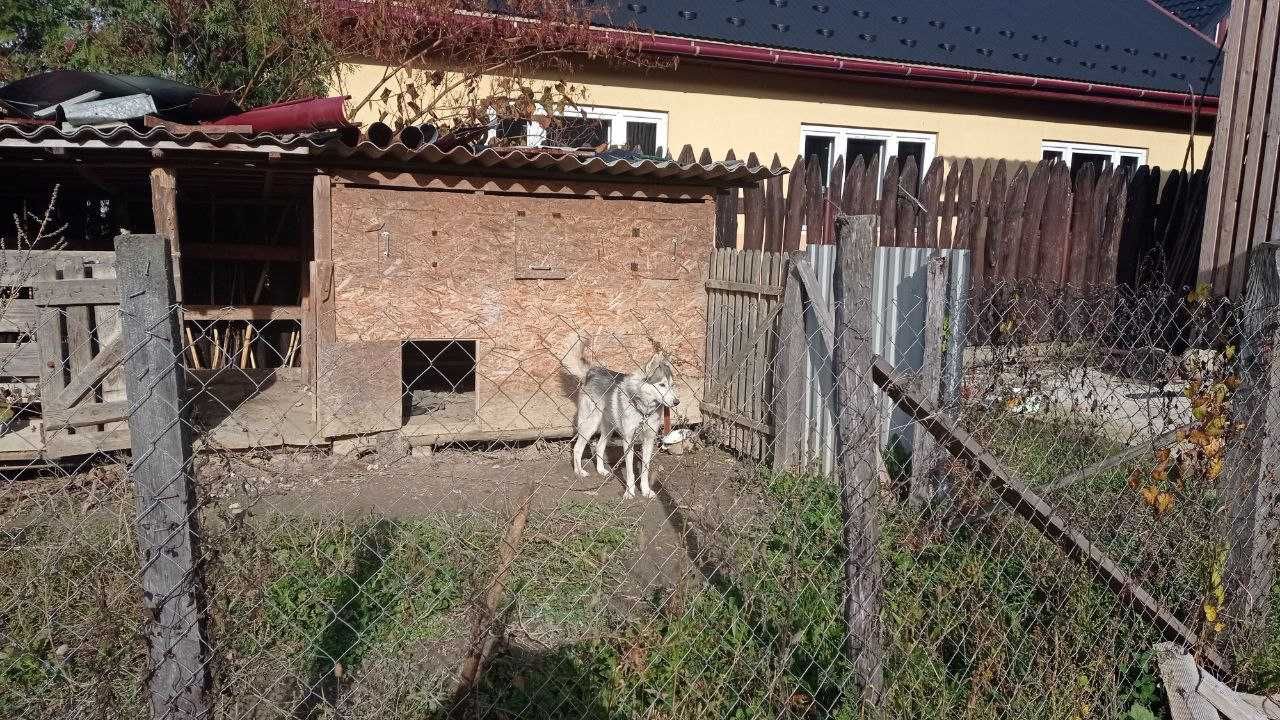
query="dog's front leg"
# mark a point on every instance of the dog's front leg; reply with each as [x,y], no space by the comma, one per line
[629,471]
[646,455]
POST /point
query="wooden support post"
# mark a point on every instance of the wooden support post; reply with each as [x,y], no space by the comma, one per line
[789,381]
[162,477]
[164,209]
[923,448]
[1251,483]
[322,253]
[857,453]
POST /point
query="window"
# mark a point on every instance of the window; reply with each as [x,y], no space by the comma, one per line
[829,143]
[593,126]
[1076,155]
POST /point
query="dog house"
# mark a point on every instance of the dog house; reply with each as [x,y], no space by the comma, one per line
[448,295]
[333,288]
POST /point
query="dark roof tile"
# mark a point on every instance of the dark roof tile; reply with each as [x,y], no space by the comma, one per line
[1009,36]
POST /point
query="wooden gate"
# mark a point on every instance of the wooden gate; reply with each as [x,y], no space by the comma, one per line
[744,291]
[77,334]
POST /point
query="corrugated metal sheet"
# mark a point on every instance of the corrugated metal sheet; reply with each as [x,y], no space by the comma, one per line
[898,296]
[327,146]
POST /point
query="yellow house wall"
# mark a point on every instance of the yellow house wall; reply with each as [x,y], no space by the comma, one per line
[753,110]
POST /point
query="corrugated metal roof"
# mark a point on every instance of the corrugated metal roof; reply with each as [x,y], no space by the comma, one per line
[328,146]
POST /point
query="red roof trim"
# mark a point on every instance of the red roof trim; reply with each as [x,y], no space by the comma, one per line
[899,73]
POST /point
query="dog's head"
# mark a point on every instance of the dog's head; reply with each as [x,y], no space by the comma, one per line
[659,384]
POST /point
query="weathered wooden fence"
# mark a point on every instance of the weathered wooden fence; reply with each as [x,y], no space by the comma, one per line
[64,325]
[1243,207]
[743,292]
[747,327]
[1022,220]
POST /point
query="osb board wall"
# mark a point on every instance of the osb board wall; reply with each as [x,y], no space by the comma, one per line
[519,275]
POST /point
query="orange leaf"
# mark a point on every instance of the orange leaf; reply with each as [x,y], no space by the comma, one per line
[1215,468]
[1135,477]
[1160,473]
[1163,502]
[1149,495]
[1162,456]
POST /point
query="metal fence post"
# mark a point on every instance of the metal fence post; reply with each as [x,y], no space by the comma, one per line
[857,447]
[161,474]
[1251,485]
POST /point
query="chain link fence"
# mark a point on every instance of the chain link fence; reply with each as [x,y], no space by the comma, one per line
[1031,489]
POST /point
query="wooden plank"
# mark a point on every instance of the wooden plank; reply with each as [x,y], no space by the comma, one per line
[1082,212]
[834,201]
[1181,679]
[775,214]
[19,317]
[53,366]
[79,333]
[1145,448]
[1252,205]
[164,214]
[1250,485]
[1112,227]
[1057,226]
[1095,233]
[995,222]
[889,205]
[63,444]
[727,218]
[1127,255]
[1227,701]
[86,414]
[963,238]
[322,217]
[77,292]
[853,182]
[870,186]
[978,224]
[20,360]
[751,270]
[106,323]
[751,288]
[1015,211]
[814,201]
[924,450]
[242,312]
[162,476]
[906,208]
[1228,241]
[86,378]
[947,208]
[1029,245]
[724,413]
[927,230]
[753,215]
[244,251]
[796,204]
[1014,493]
[858,456]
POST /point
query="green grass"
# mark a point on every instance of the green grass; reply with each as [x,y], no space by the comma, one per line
[983,618]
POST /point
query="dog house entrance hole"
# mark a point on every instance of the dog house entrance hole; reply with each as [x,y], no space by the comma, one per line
[439,380]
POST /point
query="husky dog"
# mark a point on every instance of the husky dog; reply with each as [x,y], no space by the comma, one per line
[627,405]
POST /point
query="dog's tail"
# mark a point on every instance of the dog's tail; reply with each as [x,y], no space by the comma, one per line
[574,357]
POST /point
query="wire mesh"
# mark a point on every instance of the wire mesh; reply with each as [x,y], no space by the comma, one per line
[456,565]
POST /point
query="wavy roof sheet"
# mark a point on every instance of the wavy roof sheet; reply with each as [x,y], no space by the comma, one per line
[329,146]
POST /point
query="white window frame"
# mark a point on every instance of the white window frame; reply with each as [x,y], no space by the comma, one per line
[891,138]
[618,119]
[1116,152]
